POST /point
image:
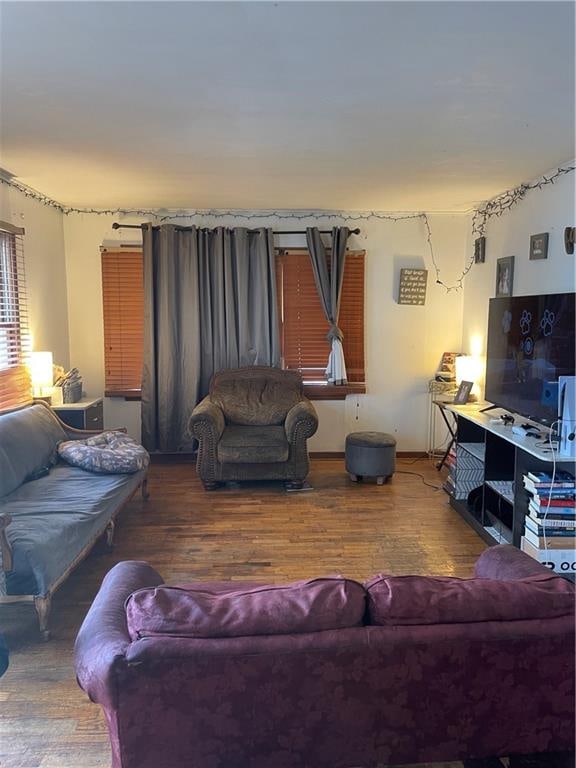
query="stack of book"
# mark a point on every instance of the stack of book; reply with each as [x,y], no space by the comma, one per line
[450,482]
[550,526]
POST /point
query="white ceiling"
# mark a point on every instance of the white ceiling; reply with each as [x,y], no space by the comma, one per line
[322,105]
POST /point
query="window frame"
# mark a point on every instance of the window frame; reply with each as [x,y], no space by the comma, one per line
[312,389]
[15,380]
[122,389]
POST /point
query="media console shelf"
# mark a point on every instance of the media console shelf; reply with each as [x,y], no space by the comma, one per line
[487,469]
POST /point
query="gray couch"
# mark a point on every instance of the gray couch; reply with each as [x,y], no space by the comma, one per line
[51,514]
[253,425]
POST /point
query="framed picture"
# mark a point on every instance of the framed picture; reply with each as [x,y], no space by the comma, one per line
[480,250]
[504,276]
[463,393]
[539,246]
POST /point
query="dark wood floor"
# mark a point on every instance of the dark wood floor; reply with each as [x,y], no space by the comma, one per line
[256,532]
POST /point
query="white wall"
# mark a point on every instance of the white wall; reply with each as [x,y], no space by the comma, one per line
[45,270]
[549,209]
[403,343]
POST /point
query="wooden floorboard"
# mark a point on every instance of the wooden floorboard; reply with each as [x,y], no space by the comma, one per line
[251,532]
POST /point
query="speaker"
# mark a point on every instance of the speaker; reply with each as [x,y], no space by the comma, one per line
[567,416]
[550,394]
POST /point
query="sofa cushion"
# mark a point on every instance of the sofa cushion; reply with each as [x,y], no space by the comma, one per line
[106,453]
[256,396]
[205,610]
[29,439]
[253,445]
[54,518]
[400,600]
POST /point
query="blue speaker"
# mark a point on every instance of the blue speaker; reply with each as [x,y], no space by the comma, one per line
[549,394]
[567,417]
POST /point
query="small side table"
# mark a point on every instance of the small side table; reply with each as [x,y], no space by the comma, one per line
[87,413]
[451,429]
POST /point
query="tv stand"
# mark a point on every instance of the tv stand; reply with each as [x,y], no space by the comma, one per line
[487,467]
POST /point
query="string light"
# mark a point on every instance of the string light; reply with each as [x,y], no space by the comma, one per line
[507,200]
[239,214]
[495,207]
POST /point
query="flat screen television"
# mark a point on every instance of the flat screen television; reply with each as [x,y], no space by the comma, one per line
[530,344]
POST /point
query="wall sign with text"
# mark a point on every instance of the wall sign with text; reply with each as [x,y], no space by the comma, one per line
[412,289]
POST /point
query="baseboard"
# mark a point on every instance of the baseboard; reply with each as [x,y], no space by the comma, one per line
[173,458]
[340,454]
[190,458]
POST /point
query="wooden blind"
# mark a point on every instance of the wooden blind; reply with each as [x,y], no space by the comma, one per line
[123,303]
[303,326]
[15,383]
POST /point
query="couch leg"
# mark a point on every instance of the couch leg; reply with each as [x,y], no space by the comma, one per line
[110,528]
[353,477]
[144,489]
[294,485]
[42,606]
[483,762]
[210,486]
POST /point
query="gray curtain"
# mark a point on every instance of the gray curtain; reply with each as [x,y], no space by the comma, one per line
[329,287]
[209,303]
[238,305]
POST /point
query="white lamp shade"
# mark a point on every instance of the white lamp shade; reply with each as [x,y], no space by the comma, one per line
[41,371]
[470,368]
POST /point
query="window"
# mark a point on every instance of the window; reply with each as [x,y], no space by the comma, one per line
[303,326]
[15,385]
[123,305]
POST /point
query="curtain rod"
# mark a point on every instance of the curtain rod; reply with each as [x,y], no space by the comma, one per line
[356,231]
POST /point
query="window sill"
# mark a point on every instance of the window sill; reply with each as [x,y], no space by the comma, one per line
[312,392]
[126,394]
[332,392]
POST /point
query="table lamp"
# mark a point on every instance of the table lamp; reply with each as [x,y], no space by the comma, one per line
[470,368]
[41,374]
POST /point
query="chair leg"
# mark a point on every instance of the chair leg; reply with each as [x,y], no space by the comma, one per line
[144,489]
[42,606]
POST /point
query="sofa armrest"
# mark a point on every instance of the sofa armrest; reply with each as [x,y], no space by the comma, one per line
[301,421]
[505,562]
[103,637]
[5,548]
[207,421]
[82,434]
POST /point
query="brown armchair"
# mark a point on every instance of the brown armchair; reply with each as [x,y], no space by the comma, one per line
[253,425]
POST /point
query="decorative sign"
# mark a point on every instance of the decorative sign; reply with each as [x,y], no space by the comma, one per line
[412,288]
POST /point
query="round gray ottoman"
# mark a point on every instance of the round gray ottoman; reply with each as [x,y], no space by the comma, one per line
[370,454]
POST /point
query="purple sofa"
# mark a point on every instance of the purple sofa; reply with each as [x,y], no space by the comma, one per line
[334,674]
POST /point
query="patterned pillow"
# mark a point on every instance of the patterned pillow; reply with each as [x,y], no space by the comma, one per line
[109,453]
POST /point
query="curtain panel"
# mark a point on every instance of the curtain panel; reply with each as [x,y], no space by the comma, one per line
[329,286]
[209,304]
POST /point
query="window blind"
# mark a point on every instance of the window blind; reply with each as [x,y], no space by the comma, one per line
[15,384]
[303,326]
[123,307]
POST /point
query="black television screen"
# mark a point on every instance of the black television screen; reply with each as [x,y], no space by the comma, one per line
[530,344]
